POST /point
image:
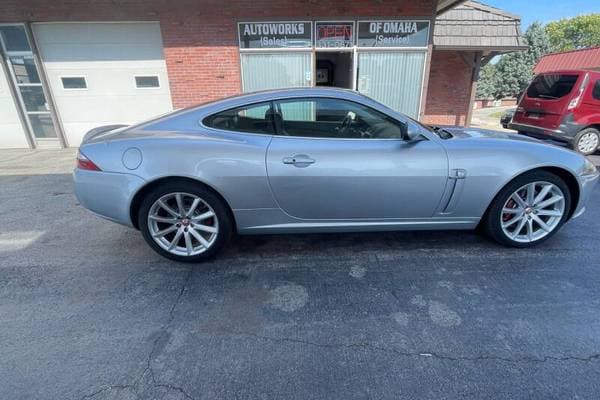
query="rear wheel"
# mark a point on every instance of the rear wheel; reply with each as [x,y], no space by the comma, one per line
[587,141]
[529,210]
[184,221]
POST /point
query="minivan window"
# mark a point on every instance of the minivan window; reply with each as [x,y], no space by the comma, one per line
[256,118]
[596,90]
[551,86]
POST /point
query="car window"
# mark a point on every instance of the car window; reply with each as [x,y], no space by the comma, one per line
[256,118]
[551,86]
[334,118]
[596,90]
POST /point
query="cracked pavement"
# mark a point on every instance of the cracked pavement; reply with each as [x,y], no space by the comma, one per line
[88,311]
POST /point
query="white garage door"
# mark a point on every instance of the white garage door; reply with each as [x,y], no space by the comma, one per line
[104,73]
[11,130]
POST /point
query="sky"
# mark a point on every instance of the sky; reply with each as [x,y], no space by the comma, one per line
[545,10]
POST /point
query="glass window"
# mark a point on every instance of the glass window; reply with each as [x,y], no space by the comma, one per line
[551,86]
[14,38]
[393,78]
[33,97]
[25,69]
[257,118]
[596,90]
[274,71]
[146,82]
[74,82]
[42,126]
[334,118]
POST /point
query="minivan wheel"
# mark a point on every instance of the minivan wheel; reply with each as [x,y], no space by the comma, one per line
[587,141]
[184,222]
[528,210]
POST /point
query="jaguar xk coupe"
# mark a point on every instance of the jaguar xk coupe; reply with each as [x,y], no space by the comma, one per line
[321,160]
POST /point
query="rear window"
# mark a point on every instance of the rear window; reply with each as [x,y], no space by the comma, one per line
[551,86]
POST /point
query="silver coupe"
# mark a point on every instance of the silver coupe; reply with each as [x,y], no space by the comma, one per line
[321,160]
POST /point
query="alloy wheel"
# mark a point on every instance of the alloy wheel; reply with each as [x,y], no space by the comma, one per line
[183,224]
[532,212]
[588,142]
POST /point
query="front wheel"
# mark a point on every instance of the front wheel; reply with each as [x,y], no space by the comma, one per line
[184,221]
[528,210]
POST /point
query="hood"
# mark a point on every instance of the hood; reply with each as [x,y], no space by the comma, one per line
[461,132]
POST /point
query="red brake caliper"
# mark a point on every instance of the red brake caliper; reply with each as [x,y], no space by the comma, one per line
[507,216]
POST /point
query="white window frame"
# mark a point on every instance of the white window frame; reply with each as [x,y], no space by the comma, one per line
[135,84]
[73,89]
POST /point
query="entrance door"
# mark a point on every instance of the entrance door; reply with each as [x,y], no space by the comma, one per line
[341,160]
[17,51]
[11,131]
[334,69]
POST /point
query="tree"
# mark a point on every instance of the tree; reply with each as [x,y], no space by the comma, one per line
[513,72]
[488,82]
[574,33]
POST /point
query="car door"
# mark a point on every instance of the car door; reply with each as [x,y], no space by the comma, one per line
[337,159]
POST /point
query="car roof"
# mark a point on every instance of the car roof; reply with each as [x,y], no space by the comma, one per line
[270,94]
[572,72]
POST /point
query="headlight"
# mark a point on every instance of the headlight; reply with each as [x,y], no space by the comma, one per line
[589,168]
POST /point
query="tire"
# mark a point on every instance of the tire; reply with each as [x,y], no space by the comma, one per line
[584,141]
[501,225]
[209,221]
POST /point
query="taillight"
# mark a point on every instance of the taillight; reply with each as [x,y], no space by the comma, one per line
[575,101]
[85,163]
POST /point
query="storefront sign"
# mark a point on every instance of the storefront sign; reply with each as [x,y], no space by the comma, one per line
[274,35]
[399,33]
[334,34]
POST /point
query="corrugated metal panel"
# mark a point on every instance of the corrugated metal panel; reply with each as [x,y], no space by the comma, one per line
[577,59]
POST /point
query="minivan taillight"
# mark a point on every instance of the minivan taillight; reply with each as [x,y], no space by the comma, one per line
[575,101]
[85,163]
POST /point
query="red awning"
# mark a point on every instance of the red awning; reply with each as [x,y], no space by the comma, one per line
[576,59]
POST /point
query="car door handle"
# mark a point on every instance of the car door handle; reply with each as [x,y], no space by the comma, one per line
[299,160]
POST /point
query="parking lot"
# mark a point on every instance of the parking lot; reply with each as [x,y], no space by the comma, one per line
[87,310]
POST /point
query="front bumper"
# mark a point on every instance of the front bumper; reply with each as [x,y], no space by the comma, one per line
[107,194]
[587,184]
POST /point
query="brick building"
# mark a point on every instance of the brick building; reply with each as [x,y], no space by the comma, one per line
[70,66]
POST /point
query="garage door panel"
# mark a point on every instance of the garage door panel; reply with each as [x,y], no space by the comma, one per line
[129,110]
[109,56]
[122,82]
[97,33]
[100,52]
[104,64]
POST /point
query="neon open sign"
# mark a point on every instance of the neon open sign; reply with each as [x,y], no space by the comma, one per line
[334,34]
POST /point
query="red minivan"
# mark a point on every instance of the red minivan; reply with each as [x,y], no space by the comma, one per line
[563,106]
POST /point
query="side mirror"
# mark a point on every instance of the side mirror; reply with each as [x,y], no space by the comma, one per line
[413,132]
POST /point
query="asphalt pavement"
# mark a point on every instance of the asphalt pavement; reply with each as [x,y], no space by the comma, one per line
[88,311]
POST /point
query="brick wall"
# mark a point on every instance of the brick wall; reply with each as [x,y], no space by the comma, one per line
[448,94]
[199,36]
